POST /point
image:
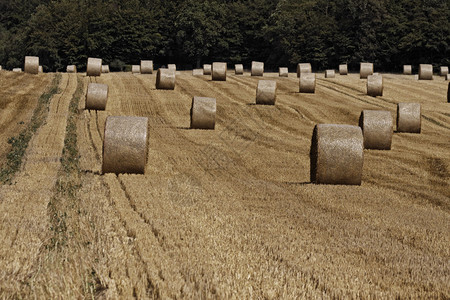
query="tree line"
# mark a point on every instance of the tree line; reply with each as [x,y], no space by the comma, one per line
[325,33]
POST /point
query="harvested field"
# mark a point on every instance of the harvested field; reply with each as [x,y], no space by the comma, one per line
[230,212]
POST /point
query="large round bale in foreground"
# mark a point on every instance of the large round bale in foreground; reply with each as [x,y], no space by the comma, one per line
[105,68]
[207,69]
[31,64]
[375,85]
[219,71]
[257,68]
[266,92]
[343,69]
[96,96]
[443,70]
[71,69]
[94,66]
[425,72]
[307,83]
[377,129]
[239,69]
[283,72]
[203,113]
[146,66]
[337,154]
[407,70]
[135,69]
[365,70]
[303,68]
[125,145]
[165,79]
[409,117]
[330,74]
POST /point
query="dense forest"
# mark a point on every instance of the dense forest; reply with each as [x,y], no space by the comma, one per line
[388,33]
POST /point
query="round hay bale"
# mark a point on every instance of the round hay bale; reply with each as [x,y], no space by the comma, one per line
[407,70]
[337,154]
[365,70]
[96,96]
[146,66]
[17,70]
[172,67]
[307,83]
[425,72]
[238,69]
[443,70]
[207,69]
[165,79]
[257,68]
[219,71]
[377,129]
[1,68]
[303,68]
[448,90]
[266,92]
[105,68]
[416,77]
[94,66]
[41,69]
[203,113]
[135,69]
[125,145]
[330,74]
[31,64]
[447,77]
[343,69]
[197,72]
[409,117]
[283,72]
[71,69]
[375,85]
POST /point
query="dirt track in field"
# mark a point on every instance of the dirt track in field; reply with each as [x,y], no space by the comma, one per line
[231,213]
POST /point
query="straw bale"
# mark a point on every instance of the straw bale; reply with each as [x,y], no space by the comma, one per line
[303,68]
[1,68]
[94,67]
[71,69]
[283,72]
[207,69]
[425,72]
[105,68]
[330,74]
[17,70]
[343,69]
[238,69]
[448,90]
[447,77]
[219,71]
[203,113]
[197,72]
[146,66]
[266,92]
[31,64]
[125,145]
[172,67]
[257,68]
[96,96]
[375,85]
[337,154]
[407,70]
[443,70]
[409,117]
[365,70]
[41,69]
[377,129]
[307,83]
[135,69]
[165,79]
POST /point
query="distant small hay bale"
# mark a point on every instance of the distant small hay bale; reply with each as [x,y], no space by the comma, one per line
[425,72]
[219,71]
[146,66]
[407,70]
[197,72]
[330,74]
[1,68]
[172,67]
[409,117]
[41,69]
[375,85]
[94,67]
[447,77]
[239,69]
[207,69]
[337,154]
[71,69]
[135,69]
[283,72]
[31,64]
[97,96]
[266,92]
[343,69]
[257,68]
[307,83]
[165,79]
[105,68]
[303,68]
[443,70]
[203,113]
[365,70]
[377,129]
[416,77]
[448,89]
[17,70]
[125,145]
